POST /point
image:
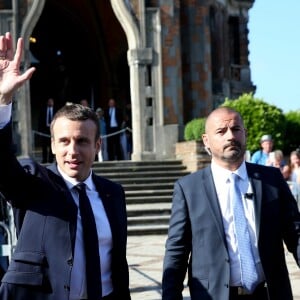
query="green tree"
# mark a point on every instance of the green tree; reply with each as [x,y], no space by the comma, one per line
[259,118]
[292,133]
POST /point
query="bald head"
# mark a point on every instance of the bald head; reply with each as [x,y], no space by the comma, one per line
[215,114]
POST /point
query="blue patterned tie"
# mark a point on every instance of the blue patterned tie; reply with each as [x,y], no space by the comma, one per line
[249,274]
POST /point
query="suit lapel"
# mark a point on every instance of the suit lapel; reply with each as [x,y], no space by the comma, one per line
[255,180]
[212,200]
[69,207]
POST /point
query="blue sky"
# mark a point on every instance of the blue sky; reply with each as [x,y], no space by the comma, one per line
[274,46]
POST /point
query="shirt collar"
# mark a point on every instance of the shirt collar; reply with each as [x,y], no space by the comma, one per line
[71,182]
[224,173]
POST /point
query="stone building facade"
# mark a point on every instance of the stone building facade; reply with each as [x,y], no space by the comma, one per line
[184,57]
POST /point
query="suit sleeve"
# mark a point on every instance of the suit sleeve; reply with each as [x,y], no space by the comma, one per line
[11,170]
[290,219]
[178,247]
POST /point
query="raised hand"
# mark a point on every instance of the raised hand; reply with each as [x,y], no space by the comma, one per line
[10,77]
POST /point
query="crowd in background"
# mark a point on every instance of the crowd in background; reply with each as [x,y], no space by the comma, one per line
[115,130]
[289,167]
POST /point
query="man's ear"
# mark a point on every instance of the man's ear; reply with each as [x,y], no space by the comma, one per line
[205,139]
[207,150]
[206,143]
[98,145]
[53,146]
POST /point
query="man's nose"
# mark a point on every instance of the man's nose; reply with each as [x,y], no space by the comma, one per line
[229,134]
[73,148]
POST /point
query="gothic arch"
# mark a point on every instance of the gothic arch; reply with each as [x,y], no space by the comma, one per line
[127,21]
[138,58]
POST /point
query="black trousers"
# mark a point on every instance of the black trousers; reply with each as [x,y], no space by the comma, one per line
[114,144]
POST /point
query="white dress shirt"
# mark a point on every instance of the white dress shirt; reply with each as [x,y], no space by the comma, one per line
[78,280]
[113,120]
[5,114]
[221,180]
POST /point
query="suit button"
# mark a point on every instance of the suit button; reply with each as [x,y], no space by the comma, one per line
[66,287]
[70,262]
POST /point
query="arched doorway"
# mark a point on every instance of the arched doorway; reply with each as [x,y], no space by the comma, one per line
[79,50]
[99,24]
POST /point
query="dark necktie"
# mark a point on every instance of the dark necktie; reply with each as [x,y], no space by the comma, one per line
[248,269]
[91,246]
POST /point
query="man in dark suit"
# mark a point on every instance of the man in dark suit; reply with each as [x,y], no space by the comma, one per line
[55,205]
[113,118]
[205,236]
[45,118]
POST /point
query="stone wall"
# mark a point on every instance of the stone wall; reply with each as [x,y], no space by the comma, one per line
[192,154]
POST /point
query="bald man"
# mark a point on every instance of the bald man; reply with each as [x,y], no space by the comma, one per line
[227,219]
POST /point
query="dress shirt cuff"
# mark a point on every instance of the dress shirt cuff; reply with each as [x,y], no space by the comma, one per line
[5,114]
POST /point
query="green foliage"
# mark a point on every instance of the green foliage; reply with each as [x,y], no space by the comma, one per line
[292,133]
[259,118]
[194,129]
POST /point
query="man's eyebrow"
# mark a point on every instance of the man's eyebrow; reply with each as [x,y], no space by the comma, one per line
[61,138]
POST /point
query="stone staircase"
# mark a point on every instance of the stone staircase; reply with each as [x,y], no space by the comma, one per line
[148,188]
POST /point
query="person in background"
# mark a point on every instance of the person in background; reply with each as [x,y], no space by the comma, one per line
[276,159]
[113,118]
[102,155]
[128,125]
[261,156]
[295,166]
[229,223]
[126,135]
[71,223]
[294,179]
[45,118]
[84,102]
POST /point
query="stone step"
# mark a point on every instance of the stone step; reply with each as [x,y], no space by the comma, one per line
[148,209]
[148,187]
[149,199]
[145,193]
[148,220]
[131,163]
[157,186]
[148,230]
[141,174]
[143,180]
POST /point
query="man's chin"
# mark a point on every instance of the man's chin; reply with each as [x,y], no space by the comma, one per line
[233,156]
[71,172]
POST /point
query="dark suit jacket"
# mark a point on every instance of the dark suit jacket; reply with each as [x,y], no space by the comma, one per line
[42,126]
[46,217]
[119,118]
[196,239]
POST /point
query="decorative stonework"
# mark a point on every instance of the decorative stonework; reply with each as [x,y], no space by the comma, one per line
[192,154]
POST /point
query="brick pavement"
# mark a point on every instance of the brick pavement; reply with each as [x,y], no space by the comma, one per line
[145,255]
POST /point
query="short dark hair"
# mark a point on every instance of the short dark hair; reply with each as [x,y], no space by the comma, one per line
[77,112]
